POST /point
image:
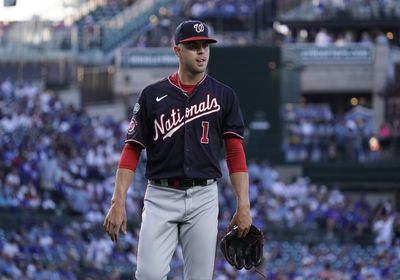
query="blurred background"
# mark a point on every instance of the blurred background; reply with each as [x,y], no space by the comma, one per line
[318,83]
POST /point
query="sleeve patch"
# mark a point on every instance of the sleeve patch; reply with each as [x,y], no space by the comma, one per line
[132,125]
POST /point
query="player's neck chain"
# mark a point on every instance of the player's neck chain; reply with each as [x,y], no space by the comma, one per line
[178,80]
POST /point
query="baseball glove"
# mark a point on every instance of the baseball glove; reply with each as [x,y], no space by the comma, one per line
[243,252]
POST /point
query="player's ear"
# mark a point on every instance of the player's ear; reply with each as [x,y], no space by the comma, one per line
[177,50]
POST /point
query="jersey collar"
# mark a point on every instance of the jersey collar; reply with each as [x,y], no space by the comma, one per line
[173,79]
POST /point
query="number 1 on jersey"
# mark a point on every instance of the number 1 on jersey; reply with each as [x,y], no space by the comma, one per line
[204,137]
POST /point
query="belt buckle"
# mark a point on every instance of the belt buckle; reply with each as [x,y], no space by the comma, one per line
[187,183]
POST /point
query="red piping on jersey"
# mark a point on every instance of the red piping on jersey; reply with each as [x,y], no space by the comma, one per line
[235,157]
[130,157]
[234,134]
[133,142]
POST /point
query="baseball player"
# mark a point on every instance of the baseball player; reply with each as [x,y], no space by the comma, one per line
[182,121]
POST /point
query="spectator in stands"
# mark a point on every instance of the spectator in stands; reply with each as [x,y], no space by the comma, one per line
[199,8]
[344,40]
[328,273]
[323,38]
[396,231]
[383,228]
[366,39]
[381,38]
[309,270]
[385,135]
[395,132]
[371,271]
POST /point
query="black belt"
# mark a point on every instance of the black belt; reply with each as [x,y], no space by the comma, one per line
[182,184]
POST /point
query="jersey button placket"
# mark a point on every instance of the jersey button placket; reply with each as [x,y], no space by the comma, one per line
[186,155]
[187,149]
[186,141]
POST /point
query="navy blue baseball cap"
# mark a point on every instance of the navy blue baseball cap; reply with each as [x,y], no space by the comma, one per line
[192,30]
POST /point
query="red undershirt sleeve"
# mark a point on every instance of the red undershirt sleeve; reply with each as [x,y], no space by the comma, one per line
[130,157]
[235,157]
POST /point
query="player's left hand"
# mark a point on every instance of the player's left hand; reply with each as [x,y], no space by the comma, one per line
[241,218]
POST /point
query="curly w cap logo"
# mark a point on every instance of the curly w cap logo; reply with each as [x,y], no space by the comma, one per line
[199,27]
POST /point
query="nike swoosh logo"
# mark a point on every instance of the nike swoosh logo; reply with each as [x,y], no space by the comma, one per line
[158,99]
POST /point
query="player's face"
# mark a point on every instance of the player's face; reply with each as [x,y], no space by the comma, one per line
[193,56]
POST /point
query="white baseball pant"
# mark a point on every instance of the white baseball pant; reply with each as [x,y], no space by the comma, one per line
[171,216]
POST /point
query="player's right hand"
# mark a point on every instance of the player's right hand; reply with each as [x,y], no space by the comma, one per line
[115,220]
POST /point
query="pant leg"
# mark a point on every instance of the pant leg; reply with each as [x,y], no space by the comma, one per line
[158,235]
[198,234]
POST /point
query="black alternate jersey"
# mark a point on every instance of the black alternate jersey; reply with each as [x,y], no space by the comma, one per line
[183,134]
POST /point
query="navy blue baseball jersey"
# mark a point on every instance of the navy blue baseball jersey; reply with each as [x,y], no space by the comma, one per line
[183,134]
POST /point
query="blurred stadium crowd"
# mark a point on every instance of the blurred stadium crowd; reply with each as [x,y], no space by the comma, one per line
[359,9]
[93,32]
[209,11]
[58,162]
[314,133]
